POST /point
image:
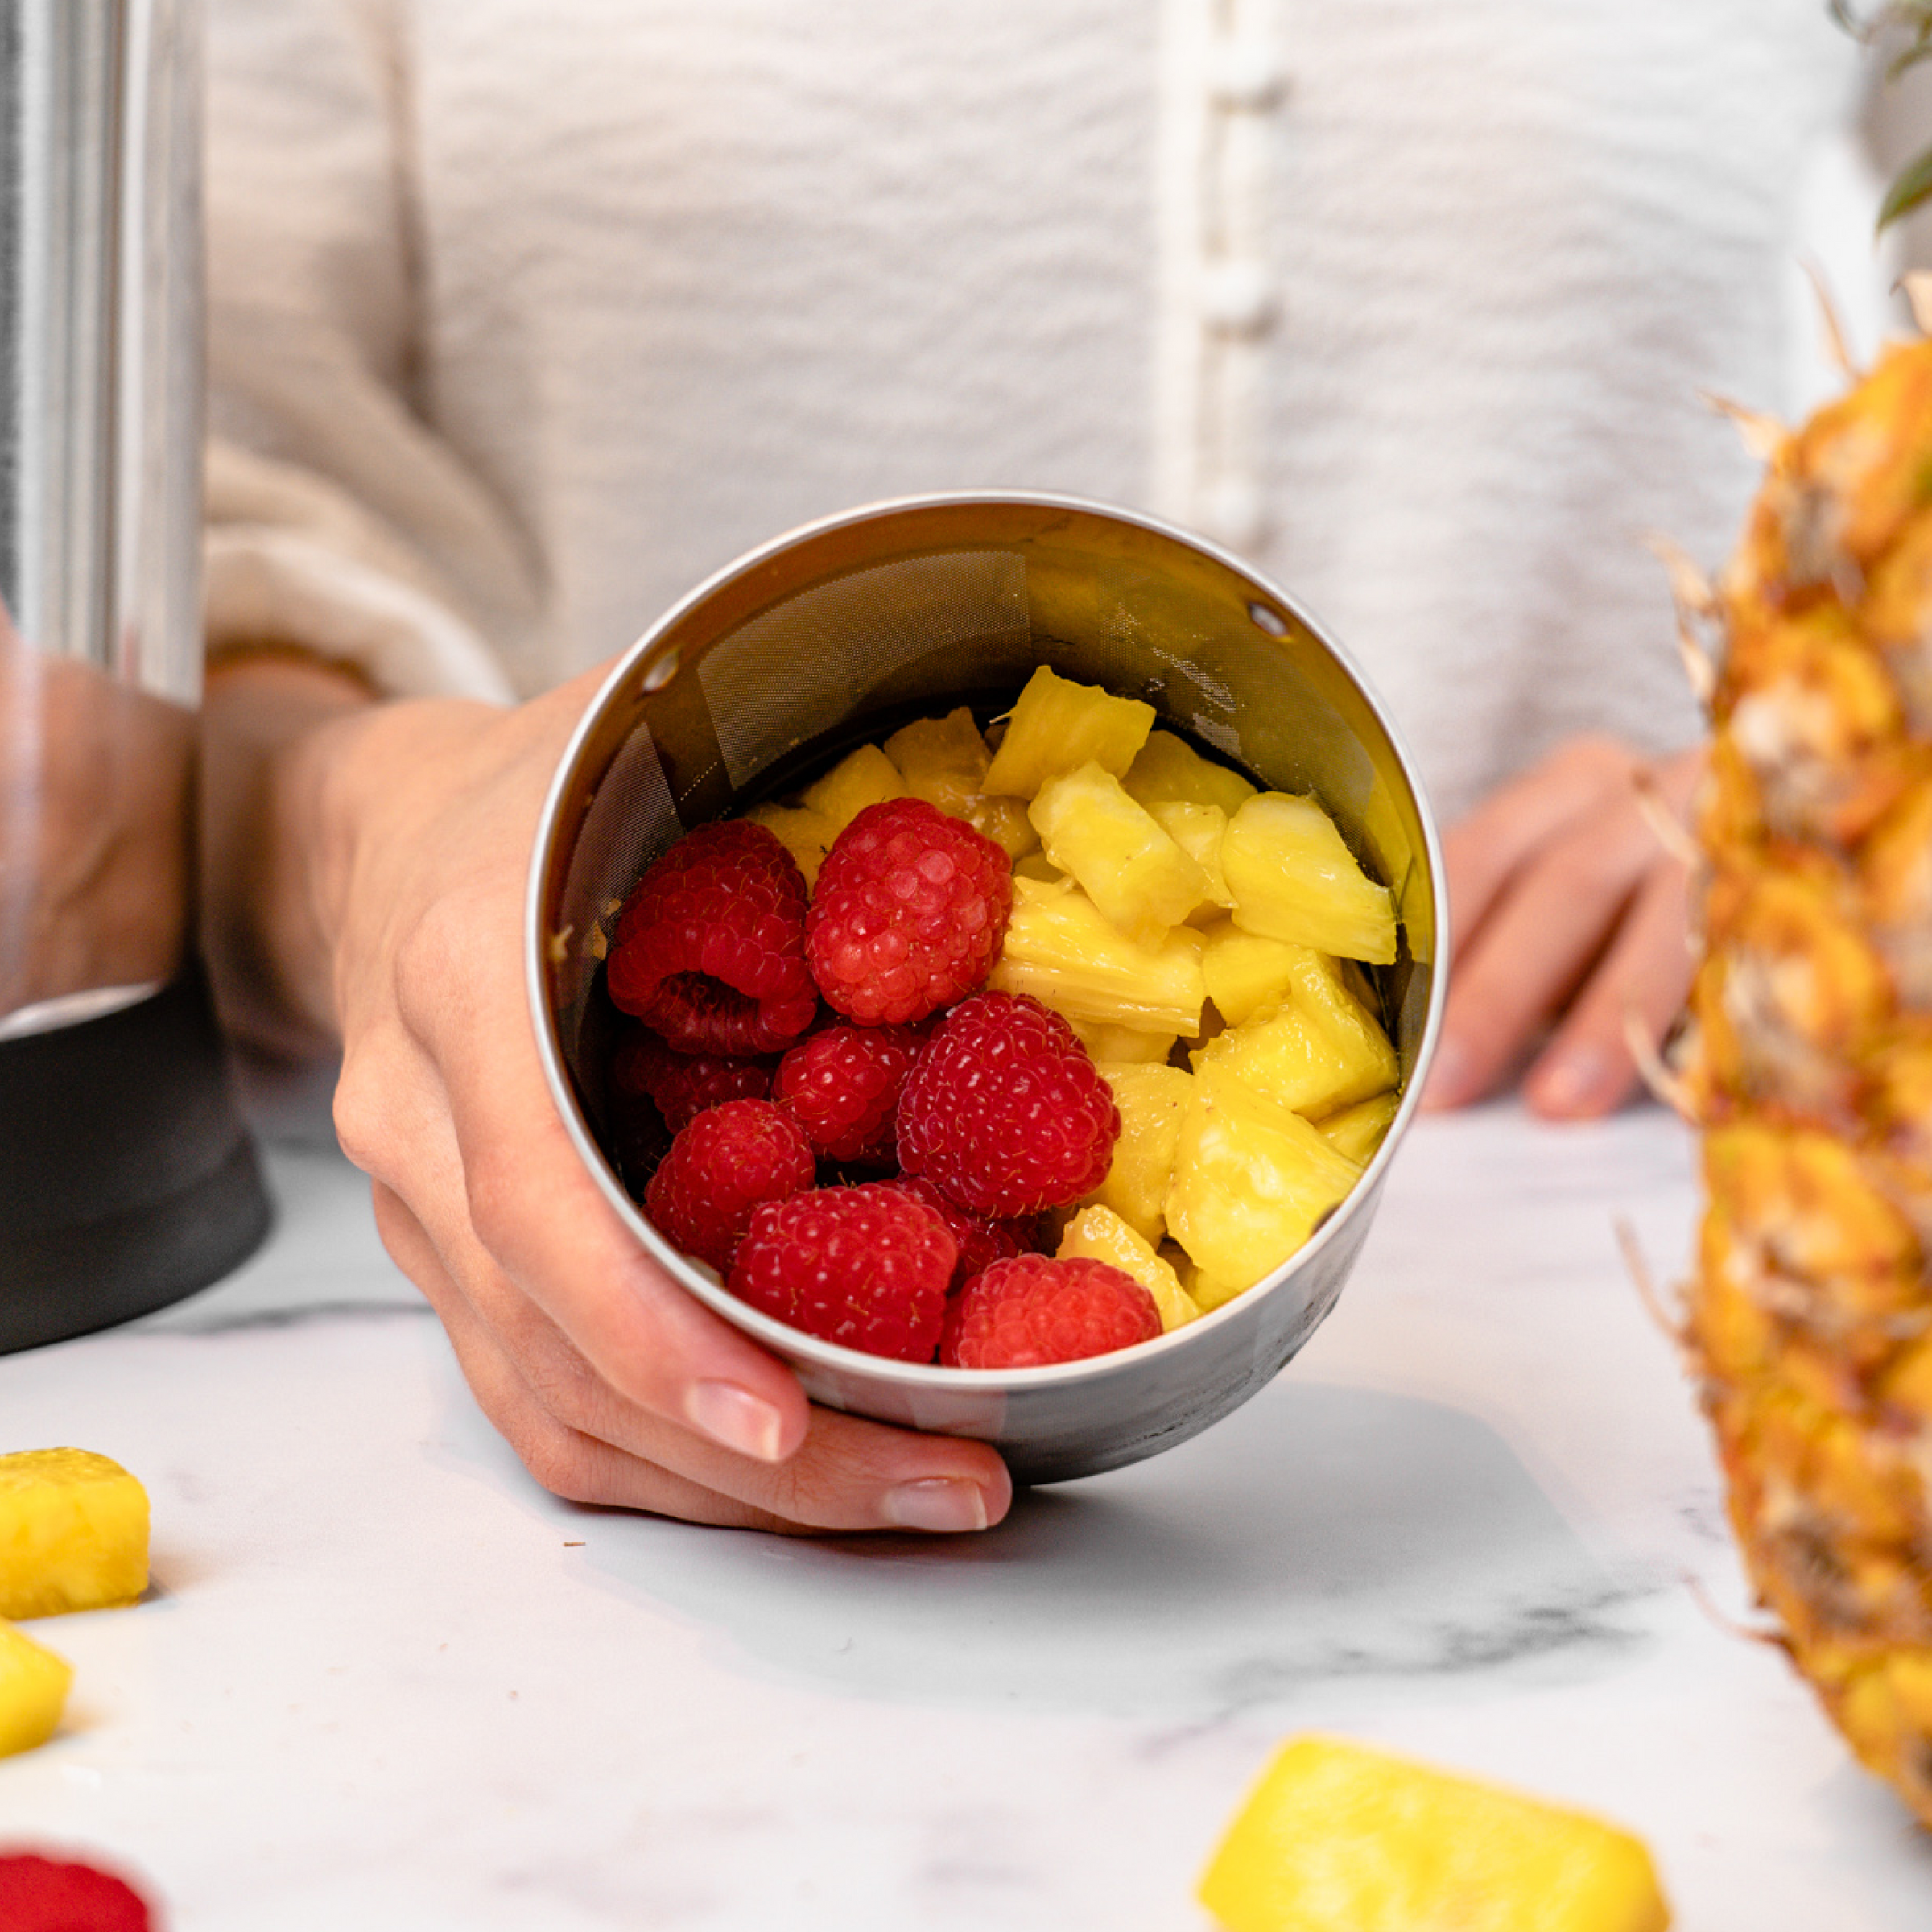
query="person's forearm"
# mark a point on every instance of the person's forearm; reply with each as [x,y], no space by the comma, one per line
[274,729]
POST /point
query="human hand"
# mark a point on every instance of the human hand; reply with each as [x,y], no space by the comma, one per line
[613,1385]
[1566,915]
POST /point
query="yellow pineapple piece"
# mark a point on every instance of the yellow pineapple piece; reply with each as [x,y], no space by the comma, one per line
[1058,725]
[1152,1101]
[943,761]
[1125,1046]
[1338,1838]
[1251,1179]
[1197,830]
[1168,770]
[1206,1291]
[73,1532]
[1126,865]
[807,835]
[33,1689]
[1357,1131]
[862,777]
[1035,864]
[1100,1235]
[1247,974]
[1318,1051]
[1059,948]
[1293,878]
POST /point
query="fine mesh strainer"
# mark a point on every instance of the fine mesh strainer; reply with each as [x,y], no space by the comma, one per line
[837,634]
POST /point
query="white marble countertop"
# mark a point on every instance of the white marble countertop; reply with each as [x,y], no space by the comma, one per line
[384,1681]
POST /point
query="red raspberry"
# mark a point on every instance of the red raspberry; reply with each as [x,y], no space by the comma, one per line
[729,1161]
[981,1241]
[864,1266]
[710,946]
[1004,1112]
[684,1085]
[1024,1313]
[908,913]
[41,1894]
[842,1086]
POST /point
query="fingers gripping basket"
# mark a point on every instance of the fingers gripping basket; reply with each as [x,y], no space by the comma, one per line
[839,632]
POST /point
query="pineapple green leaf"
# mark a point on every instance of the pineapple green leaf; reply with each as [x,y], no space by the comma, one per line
[1912,188]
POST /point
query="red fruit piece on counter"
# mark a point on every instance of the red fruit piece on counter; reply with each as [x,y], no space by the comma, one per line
[1034,1310]
[41,1894]
[908,913]
[1004,1112]
[981,1240]
[684,1084]
[867,1267]
[728,1162]
[709,950]
[842,1086]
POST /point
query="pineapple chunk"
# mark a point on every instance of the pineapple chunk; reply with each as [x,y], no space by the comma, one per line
[1169,769]
[943,761]
[1197,830]
[1245,973]
[1206,1291]
[1293,878]
[862,777]
[1318,1051]
[1337,1838]
[1036,865]
[1100,1234]
[1058,725]
[1152,1101]
[1251,1180]
[1126,1045]
[1357,1131]
[73,1532]
[1129,868]
[1059,949]
[33,1688]
[807,835]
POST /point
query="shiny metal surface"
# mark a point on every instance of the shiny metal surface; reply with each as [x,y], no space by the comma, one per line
[101,424]
[836,633]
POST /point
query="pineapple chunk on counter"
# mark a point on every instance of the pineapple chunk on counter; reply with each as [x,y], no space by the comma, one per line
[1357,1131]
[1318,1051]
[1062,950]
[1139,878]
[73,1532]
[861,778]
[1099,1234]
[943,761]
[1152,1101]
[1337,1838]
[1168,770]
[1293,878]
[1058,725]
[33,1690]
[1251,1180]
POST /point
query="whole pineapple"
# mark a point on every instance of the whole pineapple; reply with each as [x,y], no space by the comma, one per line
[1809,1059]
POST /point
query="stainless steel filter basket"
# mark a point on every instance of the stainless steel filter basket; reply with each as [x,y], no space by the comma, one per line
[837,634]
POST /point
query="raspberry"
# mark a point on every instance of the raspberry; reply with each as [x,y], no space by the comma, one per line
[41,1894]
[908,913]
[710,946]
[1024,1313]
[1004,1112]
[842,1086]
[864,1266]
[684,1085]
[981,1241]
[729,1161]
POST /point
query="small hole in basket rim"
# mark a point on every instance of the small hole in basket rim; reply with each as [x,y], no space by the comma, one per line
[1268,620]
[661,671]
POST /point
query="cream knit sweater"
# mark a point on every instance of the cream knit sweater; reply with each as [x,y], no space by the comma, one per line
[526,314]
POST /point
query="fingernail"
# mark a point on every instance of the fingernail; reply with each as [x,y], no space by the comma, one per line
[1575,1080]
[936,1503]
[735,1417]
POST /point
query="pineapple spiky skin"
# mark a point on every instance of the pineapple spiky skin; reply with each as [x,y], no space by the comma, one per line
[1809,1060]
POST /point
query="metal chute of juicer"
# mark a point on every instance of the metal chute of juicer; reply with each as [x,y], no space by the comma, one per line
[126,1178]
